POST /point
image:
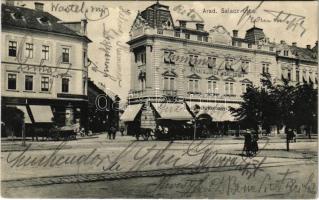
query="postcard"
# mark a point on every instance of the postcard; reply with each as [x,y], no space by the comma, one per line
[159,99]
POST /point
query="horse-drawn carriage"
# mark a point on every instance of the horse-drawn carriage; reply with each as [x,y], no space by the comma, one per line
[167,129]
[63,133]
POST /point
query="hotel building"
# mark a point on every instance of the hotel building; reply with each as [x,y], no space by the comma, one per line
[184,65]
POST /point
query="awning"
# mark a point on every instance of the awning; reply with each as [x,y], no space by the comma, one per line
[41,114]
[174,111]
[218,111]
[130,112]
[27,119]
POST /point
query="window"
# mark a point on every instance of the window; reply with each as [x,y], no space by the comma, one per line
[65,85]
[244,66]
[169,83]
[193,85]
[285,52]
[12,81]
[65,55]
[244,87]
[234,43]
[187,36]
[12,48]
[182,24]
[84,58]
[211,62]
[297,75]
[310,77]
[45,83]
[142,84]
[289,74]
[140,58]
[229,88]
[200,38]
[250,46]
[177,34]
[45,52]
[143,58]
[192,60]
[228,64]
[28,83]
[29,50]
[212,86]
[168,57]
[265,69]
[205,39]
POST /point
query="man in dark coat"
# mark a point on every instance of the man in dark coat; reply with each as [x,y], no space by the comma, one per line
[248,143]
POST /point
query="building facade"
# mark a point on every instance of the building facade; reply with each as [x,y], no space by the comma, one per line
[185,64]
[44,66]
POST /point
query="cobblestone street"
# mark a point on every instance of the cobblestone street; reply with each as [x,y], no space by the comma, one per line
[272,155]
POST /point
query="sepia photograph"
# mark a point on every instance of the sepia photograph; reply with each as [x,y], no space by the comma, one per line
[159,99]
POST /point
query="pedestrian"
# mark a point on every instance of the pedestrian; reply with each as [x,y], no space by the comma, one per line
[248,143]
[254,143]
[109,134]
[113,132]
[291,135]
[122,130]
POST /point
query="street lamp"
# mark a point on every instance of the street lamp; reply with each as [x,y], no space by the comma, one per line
[195,120]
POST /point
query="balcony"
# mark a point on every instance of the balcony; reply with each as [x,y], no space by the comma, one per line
[169,92]
[136,93]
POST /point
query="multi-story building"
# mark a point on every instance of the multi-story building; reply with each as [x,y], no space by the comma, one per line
[185,64]
[43,65]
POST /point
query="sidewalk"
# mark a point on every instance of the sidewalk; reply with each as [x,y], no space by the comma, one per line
[100,140]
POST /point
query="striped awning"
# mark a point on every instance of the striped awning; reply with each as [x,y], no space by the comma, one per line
[173,111]
[131,112]
[41,113]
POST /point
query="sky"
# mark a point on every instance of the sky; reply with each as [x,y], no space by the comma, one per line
[119,16]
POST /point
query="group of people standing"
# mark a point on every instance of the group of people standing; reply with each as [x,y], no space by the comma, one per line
[251,143]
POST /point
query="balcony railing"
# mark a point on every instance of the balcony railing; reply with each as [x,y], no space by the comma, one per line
[169,92]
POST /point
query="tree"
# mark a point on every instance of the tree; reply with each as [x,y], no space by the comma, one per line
[305,107]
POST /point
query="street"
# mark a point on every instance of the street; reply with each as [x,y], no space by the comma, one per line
[212,168]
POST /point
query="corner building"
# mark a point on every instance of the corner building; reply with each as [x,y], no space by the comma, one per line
[184,65]
[43,70]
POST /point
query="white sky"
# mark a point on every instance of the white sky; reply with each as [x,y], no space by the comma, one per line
[275,31]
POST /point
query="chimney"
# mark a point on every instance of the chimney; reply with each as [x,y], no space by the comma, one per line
[83,30]
[38,6]
[282,42]
[235,33]
[200,27]
[294,44]
[308,46]
[9,3]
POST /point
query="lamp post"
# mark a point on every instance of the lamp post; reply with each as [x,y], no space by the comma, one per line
[195,124]
[23,124]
